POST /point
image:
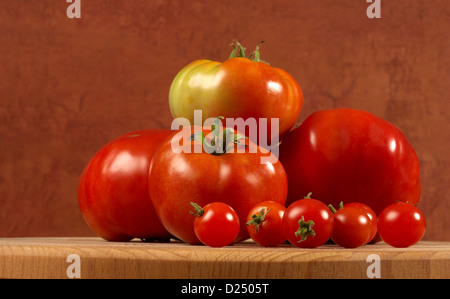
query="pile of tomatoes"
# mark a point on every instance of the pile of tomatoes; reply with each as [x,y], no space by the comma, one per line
[217,186]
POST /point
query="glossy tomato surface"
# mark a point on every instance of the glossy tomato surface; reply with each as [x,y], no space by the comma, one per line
[401,225]
[308,223]
[218,225]
[346,153]
[237,88]
[370,213]
[352,227]
[113,188]
[265,223]
[181,175]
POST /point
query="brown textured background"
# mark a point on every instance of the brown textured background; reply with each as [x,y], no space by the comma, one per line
[68,86]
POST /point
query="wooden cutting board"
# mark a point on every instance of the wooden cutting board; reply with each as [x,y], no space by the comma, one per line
[96,258]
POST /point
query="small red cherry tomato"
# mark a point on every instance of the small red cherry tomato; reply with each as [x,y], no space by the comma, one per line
[216,224]
[401,225]
[352,227]
[308,223]
[264,223]
[370,213]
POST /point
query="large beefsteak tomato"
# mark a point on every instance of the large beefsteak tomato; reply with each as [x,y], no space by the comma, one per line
[241,87]
[348,155]
[113,188]
[236,177]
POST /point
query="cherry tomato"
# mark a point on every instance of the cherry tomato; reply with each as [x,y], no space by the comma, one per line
[352,227]
[401,225]
[308,223]
[264,223]
[216,224]
[370,213]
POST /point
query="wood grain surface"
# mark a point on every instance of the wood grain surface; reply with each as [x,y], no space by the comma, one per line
[47,258]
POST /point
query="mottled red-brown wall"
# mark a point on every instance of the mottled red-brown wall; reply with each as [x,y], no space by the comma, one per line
[68,86]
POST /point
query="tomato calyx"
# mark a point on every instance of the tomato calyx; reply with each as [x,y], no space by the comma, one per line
[222,141]
[305,229]
[239,51]
[257,220]
[199,211]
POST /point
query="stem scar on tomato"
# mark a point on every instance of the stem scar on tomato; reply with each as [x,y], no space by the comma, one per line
[219,143]
[305,229]
[257,220]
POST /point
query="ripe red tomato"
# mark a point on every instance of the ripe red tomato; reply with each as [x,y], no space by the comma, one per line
[236,177]
[401,224]
[334,152]
[370,213]
[352,227]
[264,223]
[308,223]
[238,88]
[113,188]
[216,224]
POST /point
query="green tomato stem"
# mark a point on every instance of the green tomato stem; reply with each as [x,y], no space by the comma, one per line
[308,196]
[239,51]
[341,206]
[198,210]
[333,210]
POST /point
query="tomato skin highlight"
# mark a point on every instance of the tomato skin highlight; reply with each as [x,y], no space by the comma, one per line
[237,179]
[113,188]
[269,233]
[310,210]
[370,213]
[237,88]
[340,151]
[352,227]
[218,226]
[401,225]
